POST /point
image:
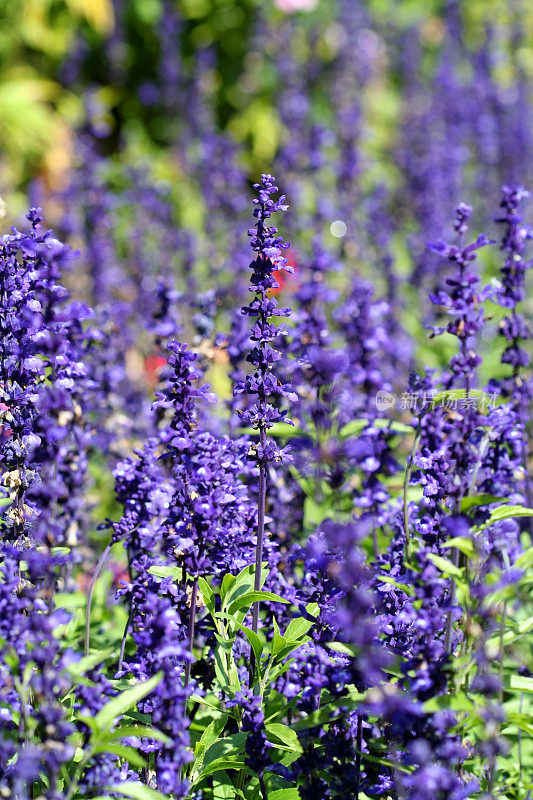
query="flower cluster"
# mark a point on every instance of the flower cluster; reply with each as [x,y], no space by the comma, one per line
[366,644]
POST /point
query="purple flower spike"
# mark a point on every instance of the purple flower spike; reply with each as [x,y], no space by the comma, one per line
[262,382]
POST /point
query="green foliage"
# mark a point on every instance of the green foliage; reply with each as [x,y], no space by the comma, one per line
[218,752]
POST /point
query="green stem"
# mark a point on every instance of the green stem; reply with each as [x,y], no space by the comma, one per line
[264,793]
[123,642]
[192,620]
[455,555]
[500,651]
[92,584]
[406,479]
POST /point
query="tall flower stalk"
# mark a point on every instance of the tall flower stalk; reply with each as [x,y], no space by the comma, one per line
[462,300]
[262,382]
[516,387]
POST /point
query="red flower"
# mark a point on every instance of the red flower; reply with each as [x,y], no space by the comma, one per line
[153,365]
[282,277]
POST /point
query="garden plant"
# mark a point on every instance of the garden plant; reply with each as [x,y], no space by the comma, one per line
[266,510]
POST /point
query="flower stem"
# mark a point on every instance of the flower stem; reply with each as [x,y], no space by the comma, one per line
[449,617]
[123,642]
[260,532]
[192,618]
[406,479]
[264,793]
[92,584]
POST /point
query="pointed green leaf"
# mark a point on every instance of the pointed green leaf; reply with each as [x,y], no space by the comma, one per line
[444,565]
[248,599]
[282,736]
[227,747]
[207,594]
[141,731]
[125,701]
[522,683]
[297,628]
[137,791]
[87,663]
[219,764]
[227,582]
[209,737]
[480,500]
[165,572]
[463,544]
[243,583]
[128,754]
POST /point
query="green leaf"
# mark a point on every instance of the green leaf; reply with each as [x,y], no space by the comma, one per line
[223,789]
[444,565]
[225,678]
[89,721]
[283,737]
[165,572]
[285,429]
[458,394]
[227,582]
[278,641]
[279,669]
[207,594]
[195,698]
[290,647]
[353,428]
[211,733]
[227,747]
[243,583]
[70,600]
[297,628]
[356,426]
[248,599]
[60,551]
[479,500]
[507,512]
[209,737]
[463,544]
[284,794]
[141,731]
[341,647]
[526,560]
[404,587]
[278,429]
[315,513]
[313,609]
[253,638]
[129,754]
[137,791]
[386,762]
[325,714]
[125,701]
[522,684]
[219,764]
[458,701]
[280,646]
[393,425]
[522,721]
[87,663]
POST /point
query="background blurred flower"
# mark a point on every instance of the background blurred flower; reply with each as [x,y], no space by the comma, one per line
[291,6]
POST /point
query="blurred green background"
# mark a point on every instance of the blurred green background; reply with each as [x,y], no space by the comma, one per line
[56,53]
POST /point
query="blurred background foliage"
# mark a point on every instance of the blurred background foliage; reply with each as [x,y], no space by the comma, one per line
[65,60]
